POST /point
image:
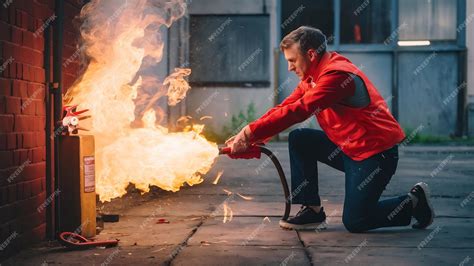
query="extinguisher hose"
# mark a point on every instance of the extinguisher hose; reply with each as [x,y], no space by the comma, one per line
[276,163]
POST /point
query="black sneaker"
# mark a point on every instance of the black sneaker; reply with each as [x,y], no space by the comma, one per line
[423,212]
[306,219]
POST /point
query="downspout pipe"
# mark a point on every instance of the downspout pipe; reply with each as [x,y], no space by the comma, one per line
[58,97]
[49,132]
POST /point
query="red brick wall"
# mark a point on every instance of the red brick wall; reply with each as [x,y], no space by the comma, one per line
[22,115]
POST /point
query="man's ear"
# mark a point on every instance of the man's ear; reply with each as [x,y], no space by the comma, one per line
[313,56]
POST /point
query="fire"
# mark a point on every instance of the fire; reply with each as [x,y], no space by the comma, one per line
[178,86]
[245,197]
[218,177]
[228,214]
[121,39]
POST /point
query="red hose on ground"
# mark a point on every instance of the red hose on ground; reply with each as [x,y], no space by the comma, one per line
[76,241]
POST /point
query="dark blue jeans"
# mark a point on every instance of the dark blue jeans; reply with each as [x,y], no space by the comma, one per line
[365,181]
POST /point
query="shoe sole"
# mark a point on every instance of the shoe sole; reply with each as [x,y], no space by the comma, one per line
[312,226]
[427,192]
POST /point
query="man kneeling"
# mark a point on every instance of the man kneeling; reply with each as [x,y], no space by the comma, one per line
[360,137]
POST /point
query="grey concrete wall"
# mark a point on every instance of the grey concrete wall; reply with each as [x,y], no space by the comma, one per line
[426,82]
[223,102]
[378,68]
[470,65]
[470,47]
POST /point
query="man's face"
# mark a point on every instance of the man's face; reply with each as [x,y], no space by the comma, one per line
[298,61]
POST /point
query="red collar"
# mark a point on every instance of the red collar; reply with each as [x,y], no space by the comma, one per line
[316,68]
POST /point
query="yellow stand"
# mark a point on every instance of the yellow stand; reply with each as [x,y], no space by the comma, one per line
[76,195]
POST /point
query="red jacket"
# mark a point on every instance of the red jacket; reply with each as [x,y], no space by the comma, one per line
[359,132]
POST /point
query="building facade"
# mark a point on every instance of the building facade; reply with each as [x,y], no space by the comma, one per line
[415,52]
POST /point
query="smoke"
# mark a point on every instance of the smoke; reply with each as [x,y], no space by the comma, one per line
[121,43]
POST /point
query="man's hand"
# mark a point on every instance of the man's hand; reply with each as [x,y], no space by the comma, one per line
[241,141]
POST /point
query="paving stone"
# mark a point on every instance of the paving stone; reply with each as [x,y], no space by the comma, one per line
[235,255]
[255,231]
[443,233]
[388,256]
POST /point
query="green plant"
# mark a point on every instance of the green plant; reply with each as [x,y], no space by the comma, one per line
[240,121]
[417,138]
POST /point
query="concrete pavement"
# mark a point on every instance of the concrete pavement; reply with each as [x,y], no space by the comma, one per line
[197,235]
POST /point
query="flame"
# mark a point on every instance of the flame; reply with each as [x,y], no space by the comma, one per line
[178,86]
[205,117]
[218,177]
[121,41]
[228,214]
[244,197]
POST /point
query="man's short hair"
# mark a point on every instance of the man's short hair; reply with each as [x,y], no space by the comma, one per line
[307,37]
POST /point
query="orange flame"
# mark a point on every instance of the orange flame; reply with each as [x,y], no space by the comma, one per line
[119,39]
[228,214]
[218,177]
[244,197]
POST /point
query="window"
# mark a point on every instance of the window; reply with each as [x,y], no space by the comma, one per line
[365,21]
[315,13]
[230,50]
[433,20]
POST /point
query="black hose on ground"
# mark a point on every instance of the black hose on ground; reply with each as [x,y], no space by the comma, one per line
[284,184]
[283,181]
